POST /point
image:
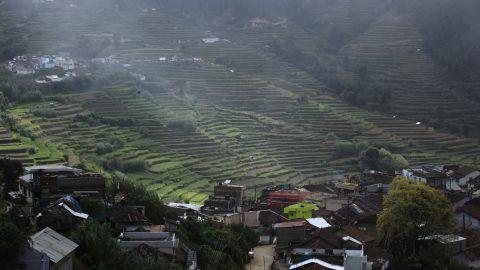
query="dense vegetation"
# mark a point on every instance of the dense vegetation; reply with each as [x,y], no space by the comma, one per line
[99,250]
[412,213]
[286,94]
[219,247]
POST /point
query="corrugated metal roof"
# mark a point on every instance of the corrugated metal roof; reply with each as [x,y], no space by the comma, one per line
[320,223]
[55,245]
[51,168]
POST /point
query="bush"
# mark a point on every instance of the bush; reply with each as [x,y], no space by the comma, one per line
[103,148]
[144,131]
[11,242]
[382,160]
[45,113]
[347,148]
[31,96]
[115,141]
[186,126]
[133,165]
[344,148]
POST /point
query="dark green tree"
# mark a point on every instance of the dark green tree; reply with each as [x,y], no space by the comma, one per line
[12,240]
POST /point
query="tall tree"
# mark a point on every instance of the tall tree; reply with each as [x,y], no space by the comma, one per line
[412,212]
[11,242]
[10,170]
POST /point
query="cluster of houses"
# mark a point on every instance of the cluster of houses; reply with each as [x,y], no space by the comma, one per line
[49,197]
[29,64]
[314,227]
[318,226]
[333,225]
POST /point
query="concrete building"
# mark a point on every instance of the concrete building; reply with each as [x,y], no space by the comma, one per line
[44,184]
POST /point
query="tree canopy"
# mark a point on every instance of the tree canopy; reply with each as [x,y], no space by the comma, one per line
[220,248]
[10,170]
[381,159]
[412,212]
[12,240]
[99,250]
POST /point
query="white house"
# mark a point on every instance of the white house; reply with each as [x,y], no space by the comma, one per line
[465,174]
[25,70]
[210,40]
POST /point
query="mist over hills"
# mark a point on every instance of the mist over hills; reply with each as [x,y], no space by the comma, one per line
[299,87]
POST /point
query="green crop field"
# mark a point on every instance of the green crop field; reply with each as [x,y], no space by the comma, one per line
[254,117]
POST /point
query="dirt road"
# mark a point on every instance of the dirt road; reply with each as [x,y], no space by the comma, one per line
[262,258]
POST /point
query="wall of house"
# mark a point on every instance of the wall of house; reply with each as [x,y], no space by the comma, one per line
[335,204]
[470,222]
[463,181]
[65,264]
[285,236]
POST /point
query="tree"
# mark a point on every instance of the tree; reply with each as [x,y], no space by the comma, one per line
[382,160]
[222,248]
[411,213]
[10,170]
[99,250]
[137,194]
[11,242]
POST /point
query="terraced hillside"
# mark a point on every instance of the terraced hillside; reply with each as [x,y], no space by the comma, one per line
[241,112]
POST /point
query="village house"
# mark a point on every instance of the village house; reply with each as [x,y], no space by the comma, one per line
[468,215]
[44,184]
[124,215]
[62,215]
[210,40]
[31,259]
[286,197]
[288,233]
[64,63]
[433,176]
[161,242]
[448,177]
[464,174]
[59,249]
[226,198]
[300,210]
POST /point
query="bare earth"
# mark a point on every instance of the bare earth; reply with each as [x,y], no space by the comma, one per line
[261,254]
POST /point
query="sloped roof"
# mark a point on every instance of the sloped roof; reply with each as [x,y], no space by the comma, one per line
[52,168]
[55,245]
[356,233]
[320,223]
[125,215]
[292,224]
[471,210]
[316,261]
[323,240]
[465,170]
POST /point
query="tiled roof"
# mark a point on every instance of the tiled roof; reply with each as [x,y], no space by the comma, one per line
[292,224]
[358,234]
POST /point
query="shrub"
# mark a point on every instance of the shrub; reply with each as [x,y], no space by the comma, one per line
[144,131]
[103,148]
[45,113]
[133,165]
[344,148]
[184,125]
[382,160]
[31,96]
